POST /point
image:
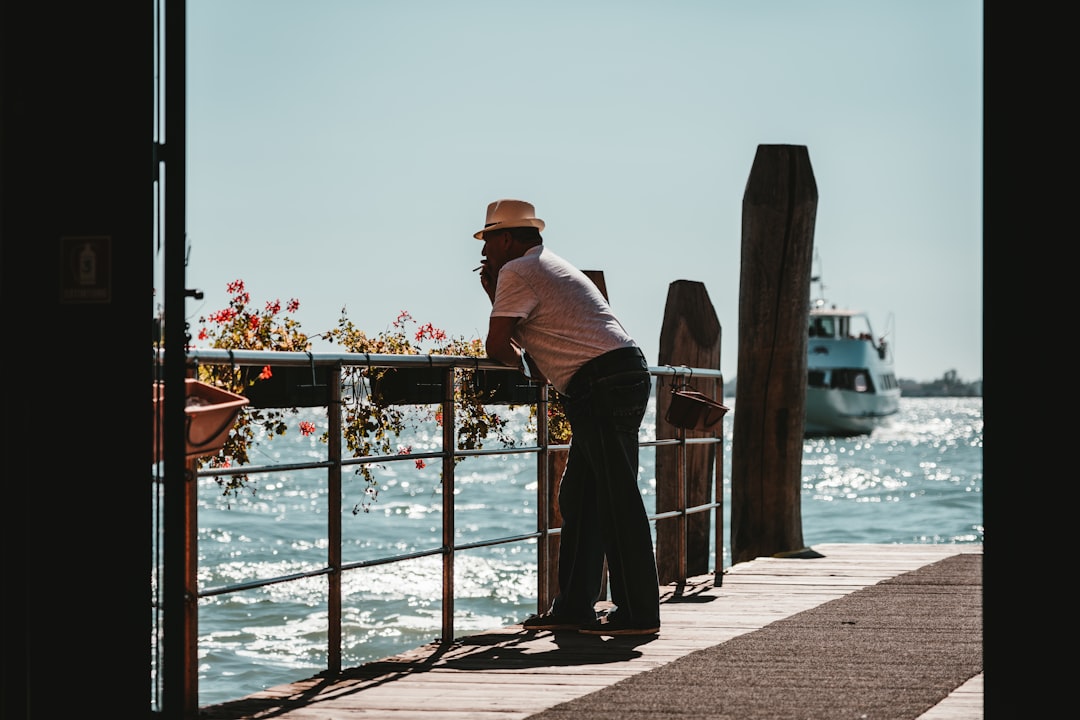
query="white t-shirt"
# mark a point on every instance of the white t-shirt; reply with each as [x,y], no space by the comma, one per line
[565,320]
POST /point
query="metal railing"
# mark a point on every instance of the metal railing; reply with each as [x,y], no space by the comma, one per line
[448,454]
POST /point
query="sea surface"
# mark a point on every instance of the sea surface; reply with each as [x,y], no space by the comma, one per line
[918,480]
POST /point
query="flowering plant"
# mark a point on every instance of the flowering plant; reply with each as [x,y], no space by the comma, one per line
[371,427]
[239,327]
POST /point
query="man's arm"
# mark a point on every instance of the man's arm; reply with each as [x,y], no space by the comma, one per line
[500,346]
[500,343]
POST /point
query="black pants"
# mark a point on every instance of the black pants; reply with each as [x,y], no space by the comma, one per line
[603,513]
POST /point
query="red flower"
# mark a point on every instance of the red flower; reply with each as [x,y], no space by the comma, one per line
[224,316]
[420,464]
[203,334]
[266,373]
[236,286]
[306,428]
[273,307]
[293,305]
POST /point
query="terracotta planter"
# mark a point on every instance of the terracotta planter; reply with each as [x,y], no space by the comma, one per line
[209,414]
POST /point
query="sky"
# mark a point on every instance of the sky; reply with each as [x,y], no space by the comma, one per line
[343,153]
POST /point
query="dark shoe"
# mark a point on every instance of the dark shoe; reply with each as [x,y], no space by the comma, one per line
[614,624]
[551,621]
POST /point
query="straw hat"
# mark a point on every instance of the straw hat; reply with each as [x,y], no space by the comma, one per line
[510,214]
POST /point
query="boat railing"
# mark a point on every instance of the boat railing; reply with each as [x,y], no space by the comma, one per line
[179,638]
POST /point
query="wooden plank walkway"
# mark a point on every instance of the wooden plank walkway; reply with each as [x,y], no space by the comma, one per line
[509,674]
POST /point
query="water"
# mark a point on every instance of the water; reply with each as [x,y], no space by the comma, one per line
[917,481]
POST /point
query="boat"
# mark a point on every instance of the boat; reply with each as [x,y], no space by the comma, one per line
[851,386]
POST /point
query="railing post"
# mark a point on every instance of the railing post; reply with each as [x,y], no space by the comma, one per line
[718,492]
[190,638]
[333,481]
[449,445]
[547,549]
[682,521]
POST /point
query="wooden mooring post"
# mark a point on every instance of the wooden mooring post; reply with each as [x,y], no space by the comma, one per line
[779,211]
[690,335]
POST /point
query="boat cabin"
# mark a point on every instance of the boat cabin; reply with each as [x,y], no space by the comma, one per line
[838,324]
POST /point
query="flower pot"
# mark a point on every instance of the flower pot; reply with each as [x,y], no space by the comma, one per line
[500,387]
[409,386]
[209,415]
[291,387]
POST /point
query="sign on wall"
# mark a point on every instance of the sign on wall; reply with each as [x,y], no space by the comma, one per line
[86,269]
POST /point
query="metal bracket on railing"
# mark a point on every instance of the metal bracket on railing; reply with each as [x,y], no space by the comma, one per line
[314,380]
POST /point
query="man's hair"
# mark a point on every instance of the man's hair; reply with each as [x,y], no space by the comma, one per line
[527,235]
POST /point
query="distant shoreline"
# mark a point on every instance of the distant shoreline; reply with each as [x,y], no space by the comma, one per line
[946,386]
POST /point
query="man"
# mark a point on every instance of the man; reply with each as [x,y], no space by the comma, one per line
[549,320]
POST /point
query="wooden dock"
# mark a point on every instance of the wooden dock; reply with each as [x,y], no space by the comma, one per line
[509,674]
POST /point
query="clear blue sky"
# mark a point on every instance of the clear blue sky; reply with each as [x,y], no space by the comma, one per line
[343,152]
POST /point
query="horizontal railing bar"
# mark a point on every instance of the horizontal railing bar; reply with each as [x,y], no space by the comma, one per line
[514,450]
[251,584]
[371,459]
[393,558]
[263,583]
[499,541]
[366,460]
[667,515]
[256,469]
[676,441]
[217,356]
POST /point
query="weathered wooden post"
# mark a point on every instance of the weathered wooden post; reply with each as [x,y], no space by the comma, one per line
[779,211]
[690,336]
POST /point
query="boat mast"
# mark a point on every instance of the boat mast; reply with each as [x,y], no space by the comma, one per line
[820,301]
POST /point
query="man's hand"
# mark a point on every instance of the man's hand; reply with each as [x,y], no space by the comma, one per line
[488,279]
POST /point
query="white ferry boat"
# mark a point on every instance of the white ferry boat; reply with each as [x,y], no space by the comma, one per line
[851,386]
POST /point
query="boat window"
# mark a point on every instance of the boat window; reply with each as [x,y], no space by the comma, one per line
[822,327]
[851,379]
